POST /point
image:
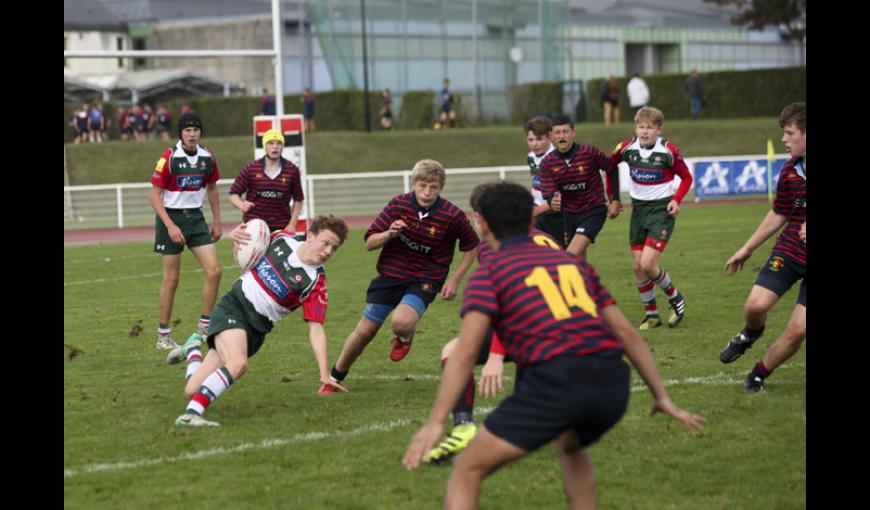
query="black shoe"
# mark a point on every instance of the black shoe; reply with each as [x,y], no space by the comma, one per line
[736,347]
[754,383]
[650,322]
[678,309]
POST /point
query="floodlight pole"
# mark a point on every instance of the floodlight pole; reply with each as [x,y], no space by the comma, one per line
[368,120]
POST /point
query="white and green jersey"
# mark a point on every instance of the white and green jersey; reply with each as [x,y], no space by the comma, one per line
[534,162]
[281,282]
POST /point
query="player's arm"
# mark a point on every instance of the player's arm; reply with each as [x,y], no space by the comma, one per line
[239,203]
[679,167]
[240,185]
[214,201]
[641,358]
[611,178]
[294,216]
[541,209]
[317,338]
[492,374]
[453,381]
[157,203]
[769,226]
[379,239]
[451,286]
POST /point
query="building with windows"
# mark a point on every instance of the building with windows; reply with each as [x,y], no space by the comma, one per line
[483,46]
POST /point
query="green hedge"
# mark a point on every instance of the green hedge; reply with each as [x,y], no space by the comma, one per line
[534,98]
[417,110]
[755,93]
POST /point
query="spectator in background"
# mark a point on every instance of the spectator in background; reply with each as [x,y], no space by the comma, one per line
[610,100]
[447,111]
[185,108]
[638,94]
[96,123]
[268,105]
[125,125]
[164,122]
[139,122]
[82,121]
[695,89]
[308,100]
[75,132]
[387,110]
[150,121]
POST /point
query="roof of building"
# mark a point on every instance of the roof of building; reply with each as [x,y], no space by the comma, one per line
[86,15]
[152,85]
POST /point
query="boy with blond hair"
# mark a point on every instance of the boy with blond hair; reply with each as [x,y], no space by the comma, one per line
[417,232]
[653,163]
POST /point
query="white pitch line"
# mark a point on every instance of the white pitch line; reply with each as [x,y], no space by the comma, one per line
[266,443]
[720,379]
[130,277]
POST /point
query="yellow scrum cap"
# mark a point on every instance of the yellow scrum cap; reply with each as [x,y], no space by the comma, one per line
[271,135]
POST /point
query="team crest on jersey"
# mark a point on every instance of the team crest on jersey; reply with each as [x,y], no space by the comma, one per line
[581,169]
[298,278]
[160,165]
[432,231]
[776,263]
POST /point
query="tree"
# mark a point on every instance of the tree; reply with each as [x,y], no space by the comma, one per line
[789,16]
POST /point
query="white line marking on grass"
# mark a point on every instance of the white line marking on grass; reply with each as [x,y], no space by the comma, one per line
[717,379]
[266,443]
[130,277]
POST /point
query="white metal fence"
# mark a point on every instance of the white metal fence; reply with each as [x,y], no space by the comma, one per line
[365,194]
[359,194]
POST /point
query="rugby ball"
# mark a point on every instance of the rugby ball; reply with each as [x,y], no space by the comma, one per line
[251,253]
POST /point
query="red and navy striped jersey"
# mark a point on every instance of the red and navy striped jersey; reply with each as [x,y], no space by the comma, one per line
[540,237]
[272,196]
[576,175]
[183,178]
[652,170]
[484,250]
[791,202]
[424,250]
[543,302]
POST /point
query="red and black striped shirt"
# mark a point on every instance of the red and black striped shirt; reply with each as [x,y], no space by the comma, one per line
[576,175]
[791,202]
[544,303]
[424,250]
[271,196]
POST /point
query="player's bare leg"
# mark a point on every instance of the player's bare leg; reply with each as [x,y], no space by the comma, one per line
[760,302]
[207,257]
[485,453]
[356,343]
[171,274]
[405,320]
[579,244]
[579,480]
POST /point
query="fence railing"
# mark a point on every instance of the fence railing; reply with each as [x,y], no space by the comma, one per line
[359,194]
[365,194]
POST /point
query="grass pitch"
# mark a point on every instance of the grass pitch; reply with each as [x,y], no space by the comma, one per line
[282,446]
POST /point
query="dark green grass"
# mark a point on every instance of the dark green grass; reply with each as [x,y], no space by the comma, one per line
[120,397]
